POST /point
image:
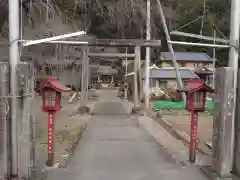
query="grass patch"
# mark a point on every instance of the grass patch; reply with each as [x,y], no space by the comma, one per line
[40,133]
[71,140]
[67,136]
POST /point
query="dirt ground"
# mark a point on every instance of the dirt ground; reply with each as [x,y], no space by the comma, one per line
[181,121]
[67,131]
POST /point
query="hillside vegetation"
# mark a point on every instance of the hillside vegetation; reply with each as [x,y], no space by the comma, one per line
[123,19]
[126,19]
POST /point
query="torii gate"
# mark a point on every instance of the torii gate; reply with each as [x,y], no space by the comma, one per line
[136,43]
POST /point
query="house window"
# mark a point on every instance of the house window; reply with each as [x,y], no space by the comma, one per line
[48,71]
[209,80]
[208,65]
[197,65]
[183,64]
[152,83]
[162,83]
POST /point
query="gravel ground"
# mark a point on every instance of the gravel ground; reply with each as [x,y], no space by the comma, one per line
[67,131]
[182,122]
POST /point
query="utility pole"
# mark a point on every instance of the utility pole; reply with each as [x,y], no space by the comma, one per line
[202,21]
[47,10]
[148,55]
[175,64]
[87,74]
[233,62]
[214,57]
[126,62]
[14,60]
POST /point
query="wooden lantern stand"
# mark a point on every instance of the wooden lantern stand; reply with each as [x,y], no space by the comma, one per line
[196,91]
[51,103]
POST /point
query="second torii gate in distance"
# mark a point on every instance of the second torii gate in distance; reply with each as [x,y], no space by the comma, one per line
[135,43]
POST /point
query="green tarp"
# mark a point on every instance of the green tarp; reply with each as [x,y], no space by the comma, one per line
[169,105]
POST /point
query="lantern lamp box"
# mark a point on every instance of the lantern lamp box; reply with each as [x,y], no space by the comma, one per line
[196,91]
[51,90]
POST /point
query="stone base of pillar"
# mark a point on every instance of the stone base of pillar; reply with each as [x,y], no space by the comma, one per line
[211,174]
[83,110]
[125,94]
[136,110]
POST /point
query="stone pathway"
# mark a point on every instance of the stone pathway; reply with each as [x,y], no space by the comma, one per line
[116,147]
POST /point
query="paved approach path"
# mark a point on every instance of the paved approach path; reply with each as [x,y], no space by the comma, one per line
[115,147]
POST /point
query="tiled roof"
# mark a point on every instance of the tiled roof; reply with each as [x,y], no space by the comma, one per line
[186,56]
[203,71]
[169,73]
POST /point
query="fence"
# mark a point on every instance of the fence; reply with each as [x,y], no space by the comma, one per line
[26,128]
[4,122]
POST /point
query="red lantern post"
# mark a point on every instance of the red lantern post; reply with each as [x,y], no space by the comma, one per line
[51,117]
[51,103]
[193,140]
[196,99]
